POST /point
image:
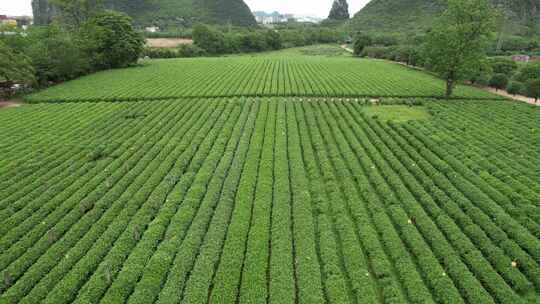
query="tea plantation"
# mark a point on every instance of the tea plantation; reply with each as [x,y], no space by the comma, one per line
[269,180]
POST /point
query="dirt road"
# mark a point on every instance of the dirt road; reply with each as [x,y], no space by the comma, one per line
[167,42]
[9,104]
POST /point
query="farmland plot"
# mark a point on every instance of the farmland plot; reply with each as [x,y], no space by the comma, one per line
[280,200]
[255,76]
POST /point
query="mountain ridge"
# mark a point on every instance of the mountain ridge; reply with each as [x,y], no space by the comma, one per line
[418,15]
[164,13]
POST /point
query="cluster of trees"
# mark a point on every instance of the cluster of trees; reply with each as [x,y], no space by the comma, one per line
[505,74]
[82,42]
[212,40]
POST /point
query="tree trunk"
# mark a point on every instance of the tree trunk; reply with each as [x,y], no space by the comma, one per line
[449,87]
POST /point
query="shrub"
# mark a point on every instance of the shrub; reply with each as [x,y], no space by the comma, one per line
[532,88]
[14,69]
[57,55]
[515,87]
[209,39]
[503,66]
[156,53]
[498,81]
[190,50]
[375,52]
[360,42]
[97,153]
[530,71]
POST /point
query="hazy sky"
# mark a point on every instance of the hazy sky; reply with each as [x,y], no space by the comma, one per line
[302,7]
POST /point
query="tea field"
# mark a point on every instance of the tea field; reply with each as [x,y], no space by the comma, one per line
[276,199]
[241,76]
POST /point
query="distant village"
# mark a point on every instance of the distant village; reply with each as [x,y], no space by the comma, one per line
[277,18]
[16,21]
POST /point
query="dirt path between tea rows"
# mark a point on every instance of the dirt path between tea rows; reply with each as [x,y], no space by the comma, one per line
[9,104]
[514,97]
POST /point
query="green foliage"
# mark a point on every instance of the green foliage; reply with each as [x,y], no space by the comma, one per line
[97,153]
[532,88]
[503,66]
[160,53]
[112,41]
[209,39]
[183,51]
[498,81]
[56,54]
[456,44]
[15,68]
[528,72]
[190,50]
[361,41]
[219,41]
[515,88]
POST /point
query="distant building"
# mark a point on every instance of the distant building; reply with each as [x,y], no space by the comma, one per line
[308,19]
[521,58]
[272,18]
[152,29]
[19,21]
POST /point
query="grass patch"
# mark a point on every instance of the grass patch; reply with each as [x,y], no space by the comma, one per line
[397,113]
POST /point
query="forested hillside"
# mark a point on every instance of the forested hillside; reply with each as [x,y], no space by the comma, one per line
[166,12]
[416,15]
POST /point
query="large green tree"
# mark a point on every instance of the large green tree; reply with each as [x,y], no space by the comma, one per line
[112,42]
[15,68]
[209,39]
[361,41]
[56,54]
[532,89]
[456,45]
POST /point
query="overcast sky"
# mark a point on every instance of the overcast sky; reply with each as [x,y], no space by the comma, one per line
[319,8]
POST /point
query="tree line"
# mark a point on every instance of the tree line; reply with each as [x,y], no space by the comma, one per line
[84,40]
[211,40]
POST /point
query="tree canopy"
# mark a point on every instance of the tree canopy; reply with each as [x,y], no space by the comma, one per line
[112,40]
[456,44]
[14,68]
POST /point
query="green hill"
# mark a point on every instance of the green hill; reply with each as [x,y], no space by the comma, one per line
[165,13]
[410,16]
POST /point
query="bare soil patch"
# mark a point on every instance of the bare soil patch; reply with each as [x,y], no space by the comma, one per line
[167,42]
[9,104]
[344,46]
